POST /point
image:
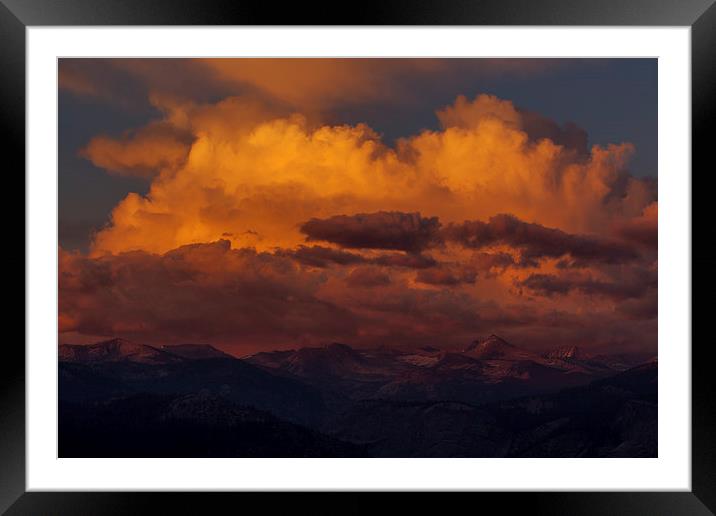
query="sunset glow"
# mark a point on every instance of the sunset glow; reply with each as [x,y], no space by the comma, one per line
[271,216]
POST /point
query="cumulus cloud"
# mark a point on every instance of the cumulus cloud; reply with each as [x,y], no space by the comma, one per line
[263,226]
[466,114]
[250,168]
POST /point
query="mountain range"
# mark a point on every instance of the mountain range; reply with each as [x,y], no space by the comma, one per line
[118,350]
[486,370]
[491,398]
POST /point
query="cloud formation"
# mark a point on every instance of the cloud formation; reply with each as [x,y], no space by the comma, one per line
[196,292]
[249,169]
[447,276]
[264,226]
[411,232]
[381,230]
[642,229]
[320,256]
[535,241]
[465,114]
[144,153]
[307,84]
[625,288]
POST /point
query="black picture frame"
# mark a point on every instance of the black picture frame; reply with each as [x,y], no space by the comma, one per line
[700,15]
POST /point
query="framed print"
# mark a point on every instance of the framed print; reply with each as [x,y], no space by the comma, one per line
[421,249]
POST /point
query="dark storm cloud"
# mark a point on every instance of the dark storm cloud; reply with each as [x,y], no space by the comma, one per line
[627,288]
[413,233]
[536,241]
[319,256]
[407,260]
[382,230]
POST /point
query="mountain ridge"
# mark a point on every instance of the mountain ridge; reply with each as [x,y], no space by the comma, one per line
[195,351]
[493,400]
[114,350]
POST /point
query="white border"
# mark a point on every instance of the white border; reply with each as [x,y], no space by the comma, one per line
[670,471]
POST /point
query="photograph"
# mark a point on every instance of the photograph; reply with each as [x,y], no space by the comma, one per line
[357,257]
[445,247]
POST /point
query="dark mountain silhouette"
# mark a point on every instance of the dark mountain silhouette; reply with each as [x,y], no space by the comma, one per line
[608,418]
[491,399]
[193,425]
[486,370]
[335,367]
[116,350]
[195,351]
[231,378]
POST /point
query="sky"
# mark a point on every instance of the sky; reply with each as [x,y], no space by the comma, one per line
[260,204]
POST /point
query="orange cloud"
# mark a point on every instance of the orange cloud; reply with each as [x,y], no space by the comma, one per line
[259,177]
[266,227]
[143,153]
